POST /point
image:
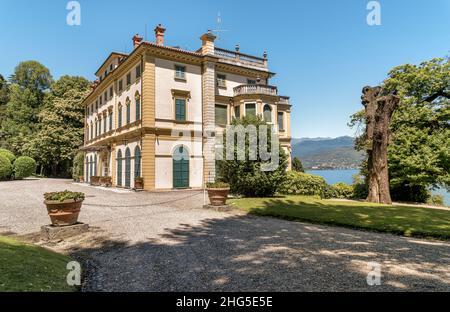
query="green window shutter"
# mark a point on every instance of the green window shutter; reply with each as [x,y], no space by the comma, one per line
[250,109]
[180,109]
[221,114]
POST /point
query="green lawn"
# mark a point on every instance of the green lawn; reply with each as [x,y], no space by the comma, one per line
[25,267]
[408,221]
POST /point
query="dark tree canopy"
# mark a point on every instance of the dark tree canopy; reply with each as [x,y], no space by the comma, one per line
[297,165]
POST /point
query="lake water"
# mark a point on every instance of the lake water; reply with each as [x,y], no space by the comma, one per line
[345,176]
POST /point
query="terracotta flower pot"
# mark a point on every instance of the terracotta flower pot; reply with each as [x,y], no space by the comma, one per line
[105,181]
[63,213]
[218,196]
[95,181]
[81,178]
[139,184]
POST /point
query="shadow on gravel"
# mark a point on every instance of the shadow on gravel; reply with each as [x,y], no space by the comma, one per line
[246,253]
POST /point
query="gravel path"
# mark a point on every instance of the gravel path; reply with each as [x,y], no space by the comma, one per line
[167,242]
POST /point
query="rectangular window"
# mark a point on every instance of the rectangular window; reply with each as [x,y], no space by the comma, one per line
[180,109]
[110,120]
[87,111]
[106,96]
[180,72]
[138,71]
[280,121]
[111,67]
[120,85]
[251,81]
[221,114]
[100,126]
[237,111]
[111,92]
[221,81]
[104,123]
[92,108]
[250,109]
[128,79]
[100,100]
[128,113]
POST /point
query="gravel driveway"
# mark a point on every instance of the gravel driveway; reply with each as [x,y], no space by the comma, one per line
[167,242]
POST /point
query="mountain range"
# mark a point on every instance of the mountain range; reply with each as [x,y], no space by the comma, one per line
[327,153]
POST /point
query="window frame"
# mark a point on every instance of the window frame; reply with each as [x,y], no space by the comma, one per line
[245,108]
[221,82]
[138,71]
[120,85]
[282,128]
[226,114]
[183,76]
[128,77]
[184,99]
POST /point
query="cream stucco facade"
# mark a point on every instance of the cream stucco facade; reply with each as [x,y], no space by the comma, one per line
[150,106]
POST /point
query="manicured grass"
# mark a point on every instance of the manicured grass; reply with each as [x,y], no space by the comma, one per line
[407,221]
[25,267]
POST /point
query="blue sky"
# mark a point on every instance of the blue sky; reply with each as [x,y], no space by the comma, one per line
[323,51]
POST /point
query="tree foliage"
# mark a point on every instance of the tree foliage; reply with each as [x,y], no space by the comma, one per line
[245,176]
[419,153]
[24,167]
[297,165]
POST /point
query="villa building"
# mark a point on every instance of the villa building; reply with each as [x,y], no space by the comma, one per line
[150,106]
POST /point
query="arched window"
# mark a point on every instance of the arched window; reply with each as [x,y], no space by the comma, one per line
[127,167]
[180,167]
[119,168]
[267,113]
[119,116]
[127,102]
[137,97]
[137,162]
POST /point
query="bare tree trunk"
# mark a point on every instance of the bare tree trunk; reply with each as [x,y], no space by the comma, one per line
[379,109]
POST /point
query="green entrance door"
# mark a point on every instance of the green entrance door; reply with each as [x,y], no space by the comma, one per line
[181,168]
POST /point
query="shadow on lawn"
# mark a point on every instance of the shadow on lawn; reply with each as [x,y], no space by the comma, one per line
[408,221]
[249,253]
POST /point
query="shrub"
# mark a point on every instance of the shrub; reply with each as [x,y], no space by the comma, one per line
[64,195]
[217,185]
[436,200]
[342,190]
[24,166]
[246,177]
[6,168]
[8,154]
[298,183]
[410,193]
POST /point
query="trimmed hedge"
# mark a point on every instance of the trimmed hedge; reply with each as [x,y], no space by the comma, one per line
[342,190]
[298,183]
[24,166]
[8,155]
[6,168]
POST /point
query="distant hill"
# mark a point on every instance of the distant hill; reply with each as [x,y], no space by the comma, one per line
[327,153]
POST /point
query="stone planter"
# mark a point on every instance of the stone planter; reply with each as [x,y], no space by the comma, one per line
[106,181]
[139,184]
[95,181]
[218,196]
[63,213]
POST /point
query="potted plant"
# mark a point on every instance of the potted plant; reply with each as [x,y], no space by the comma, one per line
[138,183]
[95,181]
[81,179]
[63,207]
[106,181]
[218,193]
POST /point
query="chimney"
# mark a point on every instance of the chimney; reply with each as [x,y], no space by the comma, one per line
[208,43]
[159,34]
[136,40]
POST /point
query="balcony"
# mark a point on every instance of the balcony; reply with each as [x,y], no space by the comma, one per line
[241,58]
[255,89]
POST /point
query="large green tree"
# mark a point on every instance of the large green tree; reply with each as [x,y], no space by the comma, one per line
[419,150]
[27,90]
[60,129]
